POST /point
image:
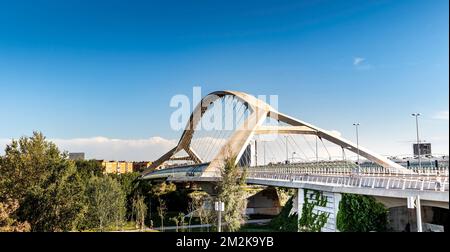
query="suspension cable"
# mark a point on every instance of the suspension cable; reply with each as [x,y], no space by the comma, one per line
[329,156]
[307,159]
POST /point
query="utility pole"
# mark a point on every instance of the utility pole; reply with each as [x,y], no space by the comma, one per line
[219,207]
[418,141]
[317,154]
[256,153]
[287,153]
[357,145]
[219,226]
[264,144]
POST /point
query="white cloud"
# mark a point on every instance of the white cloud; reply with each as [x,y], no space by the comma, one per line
[113,149]
[441,115]
[358,61]
[129,149]
[206,147]
[118,149]
[335,133]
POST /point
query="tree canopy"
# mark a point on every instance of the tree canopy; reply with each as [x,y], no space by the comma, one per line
[44,182]
[230,191]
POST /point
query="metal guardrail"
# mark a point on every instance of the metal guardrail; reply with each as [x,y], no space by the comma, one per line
[335,173]
[348,168]
[342,173]
[386,182]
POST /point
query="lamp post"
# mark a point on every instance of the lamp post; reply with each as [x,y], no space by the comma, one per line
[287,153]
[219,207]
[418,141]
[317,154]
[292,159]
[256,153]
[357,144]
[264,147]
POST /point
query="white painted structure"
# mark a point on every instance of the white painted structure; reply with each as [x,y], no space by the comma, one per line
[331,208]
[388,180]
[253,125]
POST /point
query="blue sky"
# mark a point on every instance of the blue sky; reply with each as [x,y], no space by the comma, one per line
[84,69]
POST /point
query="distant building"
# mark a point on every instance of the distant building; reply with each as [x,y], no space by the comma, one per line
[118,167]
[76,155]
[427,161]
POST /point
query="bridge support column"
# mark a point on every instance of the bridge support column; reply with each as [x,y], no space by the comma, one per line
[331,207]
[264,202]
[337,200]
[299,201]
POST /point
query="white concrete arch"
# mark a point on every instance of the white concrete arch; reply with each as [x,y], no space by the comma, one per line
[238,141]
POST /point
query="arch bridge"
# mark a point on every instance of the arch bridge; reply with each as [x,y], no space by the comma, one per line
[254,117]
[279,150]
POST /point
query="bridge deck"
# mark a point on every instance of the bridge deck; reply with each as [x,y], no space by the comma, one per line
[340,176]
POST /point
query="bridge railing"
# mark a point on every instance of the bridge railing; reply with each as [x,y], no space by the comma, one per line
[344,173]
[336,173]
[386,182]
[349,168]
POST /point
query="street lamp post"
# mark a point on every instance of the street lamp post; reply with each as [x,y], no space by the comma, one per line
[287,153]
[418,141]
[317,154]
[264,144]
[256,153]
[292,159]
[357,144]
[219,207]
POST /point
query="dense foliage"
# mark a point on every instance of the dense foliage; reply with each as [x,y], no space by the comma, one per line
[88,168]
[361,213]
[311,220]
[230,191]
[130,186]
[42,190]
[139,210]
[106,203]
[44,183]
[285,221]
[7,222]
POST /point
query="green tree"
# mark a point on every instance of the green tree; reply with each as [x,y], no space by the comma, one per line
[285,221]
[106,203]
[89,168]
[158,191]
[231,192]
[175,220]
[361,213]
[44,182]
[195,206]
[143,188]
[162,211]
[27,163]
[7,222]
[182,218]
[128,182]
[139,210]
[58,206]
